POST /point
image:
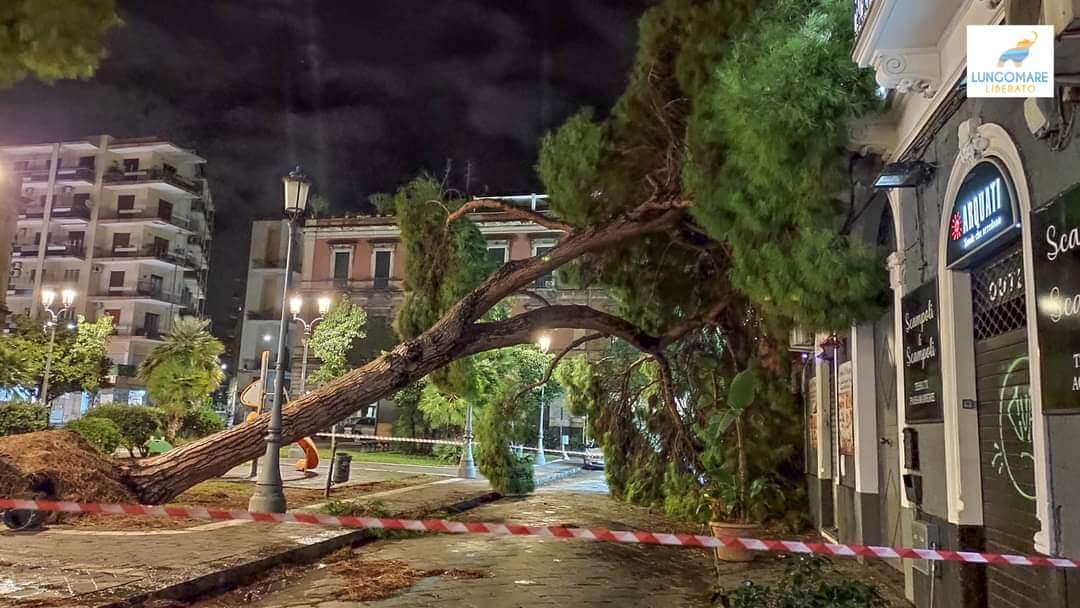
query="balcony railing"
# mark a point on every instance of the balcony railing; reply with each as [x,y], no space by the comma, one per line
[54,250]
[178,257]
[152,333]
[41,174]
[377,284]
[124,371]
[136,213]
[154,174]
[61,210]
[862,12]
[264,315]
[268,263]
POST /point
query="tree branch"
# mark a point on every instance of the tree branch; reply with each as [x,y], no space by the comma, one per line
[532,294]
[521,213]
[555,362]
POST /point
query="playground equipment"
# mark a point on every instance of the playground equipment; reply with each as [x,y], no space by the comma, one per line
[252,396]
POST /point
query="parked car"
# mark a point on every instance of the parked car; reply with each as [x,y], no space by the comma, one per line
[593,459]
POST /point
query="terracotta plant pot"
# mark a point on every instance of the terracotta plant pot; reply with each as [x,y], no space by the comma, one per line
[735,554]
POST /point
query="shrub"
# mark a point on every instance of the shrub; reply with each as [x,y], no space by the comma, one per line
[100,432]
[804,584]
[201,422]
[22,417]
[137,424]
[507,472]
[450,454]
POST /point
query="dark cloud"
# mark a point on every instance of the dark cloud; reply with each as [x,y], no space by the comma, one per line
[363,94]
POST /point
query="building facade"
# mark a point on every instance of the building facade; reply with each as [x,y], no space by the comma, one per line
[262,301]
[362,257]
[949,422]
[127,223]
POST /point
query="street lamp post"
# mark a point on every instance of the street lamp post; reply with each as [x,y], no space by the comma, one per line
[467,466]
[48,296]
[295,306]
[544,342]
[269,496]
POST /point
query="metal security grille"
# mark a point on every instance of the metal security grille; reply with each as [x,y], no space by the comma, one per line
[997,293]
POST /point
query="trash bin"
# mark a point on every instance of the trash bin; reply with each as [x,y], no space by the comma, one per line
[342,462]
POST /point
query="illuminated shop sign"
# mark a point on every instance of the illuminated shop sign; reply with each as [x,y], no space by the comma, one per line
[982,212]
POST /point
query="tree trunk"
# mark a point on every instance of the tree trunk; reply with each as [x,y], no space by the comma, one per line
[458,334]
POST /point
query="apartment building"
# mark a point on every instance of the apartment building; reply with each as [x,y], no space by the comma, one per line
[362,257]
[127,223]
[262,299]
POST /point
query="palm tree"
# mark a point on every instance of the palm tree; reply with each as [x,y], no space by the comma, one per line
[182,372]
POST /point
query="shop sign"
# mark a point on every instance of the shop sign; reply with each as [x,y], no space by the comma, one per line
[1055,231]
[812,391]
[922,359]
[845,400]
[982,212]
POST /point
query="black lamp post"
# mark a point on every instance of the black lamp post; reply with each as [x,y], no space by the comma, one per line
[269,496]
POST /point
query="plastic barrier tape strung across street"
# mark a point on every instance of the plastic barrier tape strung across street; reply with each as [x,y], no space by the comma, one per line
[593,534]
[435,441]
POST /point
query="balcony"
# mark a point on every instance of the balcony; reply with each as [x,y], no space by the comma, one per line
[150,333]
[58,250]
[62,212]
[264,315]
[150,252]
[862,12]
[66,176]
[377,285]
[20,289]
[268,264]
[124,371]
[116,177]
[138,214]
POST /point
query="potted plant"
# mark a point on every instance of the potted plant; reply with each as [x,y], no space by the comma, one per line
[737,503]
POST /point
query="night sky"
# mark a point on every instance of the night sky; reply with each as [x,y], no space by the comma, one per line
[363,94]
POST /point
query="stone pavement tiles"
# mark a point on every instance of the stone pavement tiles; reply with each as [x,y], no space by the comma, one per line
[86,567]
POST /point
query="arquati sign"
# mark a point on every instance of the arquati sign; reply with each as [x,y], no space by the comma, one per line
[1055,232]
[922,360]
[983,211]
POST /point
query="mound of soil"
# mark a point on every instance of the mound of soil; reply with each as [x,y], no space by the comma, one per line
[58,465]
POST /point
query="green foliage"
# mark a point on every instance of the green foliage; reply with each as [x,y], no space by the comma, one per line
[53,39]
[411,421]
[448,454]
[15,366]
[683,497]
[741,392]
[200,422]
[507,473]
[319,206]
[99,432]
[441,411]
[137,424]
[181,373]
[334,337]
[79,356]
[806,584]
[22,417]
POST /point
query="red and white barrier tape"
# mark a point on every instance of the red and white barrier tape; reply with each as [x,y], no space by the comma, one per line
[436,442]
[593,534]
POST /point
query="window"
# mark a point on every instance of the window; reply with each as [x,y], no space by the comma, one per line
[81,200]
[497,253]
[115,314]
[71,275]
[540,249]
[86,162]
[76,238]
[121,241]
[381,261]
[131,165]
[116,279]
[22,165]
[151,324]
[168,169]
[33,274]
[125,203]
[161,246]
[164,210]
[341,265]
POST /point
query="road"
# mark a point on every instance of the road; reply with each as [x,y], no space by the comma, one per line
[359,472]
[508,571]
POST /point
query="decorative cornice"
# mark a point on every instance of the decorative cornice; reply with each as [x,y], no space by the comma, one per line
[972,142]
[990,4]
[910,71]
[895,265]
[871,135]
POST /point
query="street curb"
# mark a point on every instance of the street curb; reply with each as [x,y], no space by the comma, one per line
[554,477]
[238,574]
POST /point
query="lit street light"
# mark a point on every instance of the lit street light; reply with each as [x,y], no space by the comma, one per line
[296,304]
[544,342]
[269,496]
[48,297]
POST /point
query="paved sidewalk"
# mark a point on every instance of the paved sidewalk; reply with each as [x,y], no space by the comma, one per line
[86,567]
[76,567]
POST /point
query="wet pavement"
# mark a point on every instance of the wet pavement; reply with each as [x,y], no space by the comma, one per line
[521,571]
